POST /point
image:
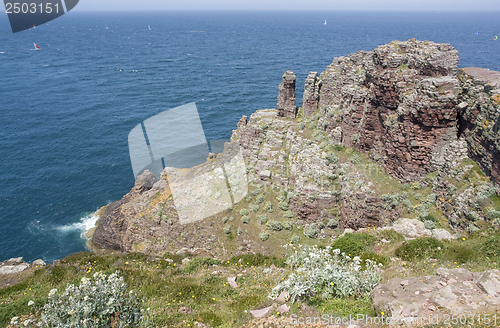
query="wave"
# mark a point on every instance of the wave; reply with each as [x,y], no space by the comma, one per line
[85,224]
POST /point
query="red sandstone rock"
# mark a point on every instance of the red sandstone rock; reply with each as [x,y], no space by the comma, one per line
[286,97]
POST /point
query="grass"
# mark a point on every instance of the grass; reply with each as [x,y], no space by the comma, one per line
[168,286]
[163,285]
[343,307]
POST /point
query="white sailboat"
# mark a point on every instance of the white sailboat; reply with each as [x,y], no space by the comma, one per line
[36,47]
[324,22]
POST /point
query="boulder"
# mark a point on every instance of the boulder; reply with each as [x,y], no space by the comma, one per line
[9,269]
[261,313]
[410,228]
[185,310]
[442,234]
[145,181]
[232,282]
[38,263]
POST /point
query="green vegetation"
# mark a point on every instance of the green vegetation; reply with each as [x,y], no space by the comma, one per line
[420,248]
[354,244]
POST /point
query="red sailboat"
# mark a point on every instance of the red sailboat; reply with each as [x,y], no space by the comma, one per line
[36,46]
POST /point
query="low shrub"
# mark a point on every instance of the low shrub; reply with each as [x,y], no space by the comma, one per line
[328,273]
[331,159]
[284,206]
[419,248]
[430,224]
[354,244]
[311,232]
[260,199]
[254,208]
[262,219]
[198,262]
[99,302]
[274,225]
[268,207]
[459,254]
[491,247]
[355,159]
[493,214]
[332,223]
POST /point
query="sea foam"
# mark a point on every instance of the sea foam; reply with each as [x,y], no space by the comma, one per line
[85,224]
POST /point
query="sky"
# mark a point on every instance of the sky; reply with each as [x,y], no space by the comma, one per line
[381,5]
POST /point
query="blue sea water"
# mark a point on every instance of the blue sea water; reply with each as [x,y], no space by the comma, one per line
[66,111]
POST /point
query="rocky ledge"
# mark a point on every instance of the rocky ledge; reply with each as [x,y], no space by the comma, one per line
[13,270]
[457,291]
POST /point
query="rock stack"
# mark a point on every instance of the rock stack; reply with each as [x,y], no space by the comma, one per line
[286,98]
[311,94]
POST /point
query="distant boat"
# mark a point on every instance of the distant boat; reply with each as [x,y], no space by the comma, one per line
[36,46]
[495,38]
[324,22]
[149,27]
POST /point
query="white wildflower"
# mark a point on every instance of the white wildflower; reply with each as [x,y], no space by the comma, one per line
[14,321]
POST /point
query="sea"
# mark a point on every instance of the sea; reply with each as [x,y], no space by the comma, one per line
[66,110]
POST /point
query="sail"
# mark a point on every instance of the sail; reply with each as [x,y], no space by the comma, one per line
[36,46]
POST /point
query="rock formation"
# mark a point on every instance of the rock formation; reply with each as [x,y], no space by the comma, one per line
[402,104]
[286,98]
[310,98]
[398,101]
[479,112]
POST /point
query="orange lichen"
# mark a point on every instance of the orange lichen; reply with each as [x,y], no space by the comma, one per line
[496,99]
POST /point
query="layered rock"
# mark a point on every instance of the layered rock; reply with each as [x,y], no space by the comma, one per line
[398,101]
[286,98]
[479,112]
[451,291]
[310,98]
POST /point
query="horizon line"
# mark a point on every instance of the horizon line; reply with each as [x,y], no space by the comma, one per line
[296,10]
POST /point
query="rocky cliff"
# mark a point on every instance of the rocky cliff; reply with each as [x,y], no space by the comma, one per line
[479,113]
[381,135]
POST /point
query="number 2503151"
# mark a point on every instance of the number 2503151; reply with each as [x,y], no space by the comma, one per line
[31,8]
